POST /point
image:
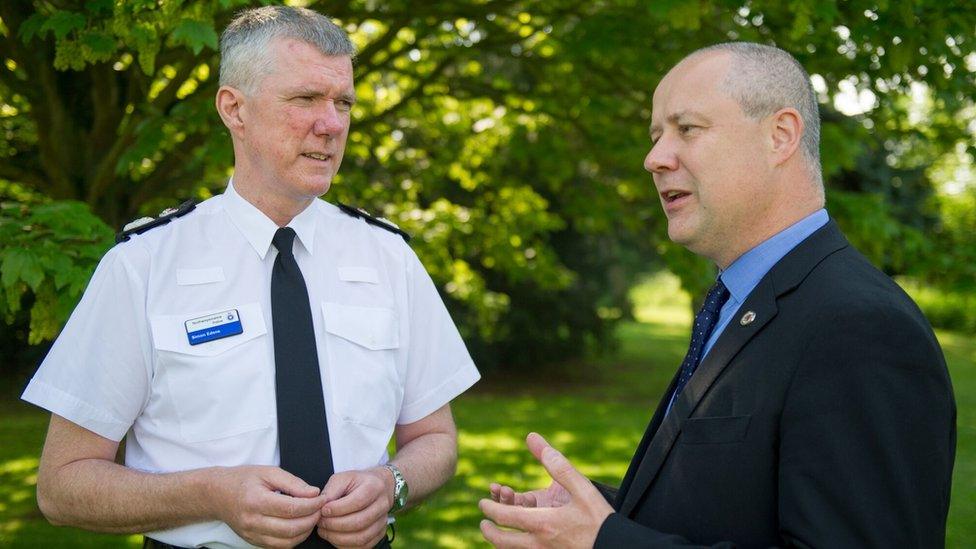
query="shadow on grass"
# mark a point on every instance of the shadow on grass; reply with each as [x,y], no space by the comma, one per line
[598,438]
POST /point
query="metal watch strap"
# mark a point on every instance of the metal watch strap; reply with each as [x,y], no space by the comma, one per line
[399,488]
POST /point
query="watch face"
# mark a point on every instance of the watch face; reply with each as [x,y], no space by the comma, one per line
[402,497]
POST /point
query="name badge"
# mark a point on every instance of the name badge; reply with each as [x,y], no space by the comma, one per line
[215,326]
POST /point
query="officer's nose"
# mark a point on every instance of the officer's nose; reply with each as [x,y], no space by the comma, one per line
[329,122]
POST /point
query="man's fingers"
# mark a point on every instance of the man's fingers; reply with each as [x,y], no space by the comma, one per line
[284,529]
[523,518]
[506,495]
[358,499]
[536,445]
[367,537]
[526,499]
[283,481]
[338,485]
[355,522]
[504,538]
[559,468]
[288,507]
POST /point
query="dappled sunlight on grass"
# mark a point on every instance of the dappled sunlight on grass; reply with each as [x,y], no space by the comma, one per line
[957,347]
[22,465]
[659,299]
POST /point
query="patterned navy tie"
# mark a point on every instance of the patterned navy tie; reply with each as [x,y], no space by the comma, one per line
[705,322]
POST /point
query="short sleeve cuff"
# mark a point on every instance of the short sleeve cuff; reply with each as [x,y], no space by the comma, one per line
[74,410]
[430,402]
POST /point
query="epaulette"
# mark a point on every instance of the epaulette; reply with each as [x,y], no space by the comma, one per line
[378,221]
[144,224]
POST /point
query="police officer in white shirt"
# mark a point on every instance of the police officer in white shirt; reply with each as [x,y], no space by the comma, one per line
[172,346]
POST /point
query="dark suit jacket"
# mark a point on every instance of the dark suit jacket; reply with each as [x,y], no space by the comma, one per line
[828,421]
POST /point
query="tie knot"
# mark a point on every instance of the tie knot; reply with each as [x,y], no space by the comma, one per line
[283,240]
[717,296]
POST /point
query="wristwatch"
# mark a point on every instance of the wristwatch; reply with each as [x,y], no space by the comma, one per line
[400,488]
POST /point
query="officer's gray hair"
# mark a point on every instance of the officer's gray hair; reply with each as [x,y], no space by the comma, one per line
[764,79]
[244,45]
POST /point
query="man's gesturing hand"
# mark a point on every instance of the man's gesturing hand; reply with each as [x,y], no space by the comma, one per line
[553,496]
[357,506]
[266,506]
[567,514]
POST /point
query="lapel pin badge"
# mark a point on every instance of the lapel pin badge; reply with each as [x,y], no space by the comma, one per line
[747,318]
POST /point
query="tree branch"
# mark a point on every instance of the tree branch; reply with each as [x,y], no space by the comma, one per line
[16,172]
[177,160]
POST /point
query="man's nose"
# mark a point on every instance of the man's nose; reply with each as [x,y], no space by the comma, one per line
[329,122]
[661,157]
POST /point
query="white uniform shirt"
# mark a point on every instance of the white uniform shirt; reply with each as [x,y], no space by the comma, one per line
[388,350]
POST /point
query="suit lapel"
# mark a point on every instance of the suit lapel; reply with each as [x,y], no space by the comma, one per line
[782,278]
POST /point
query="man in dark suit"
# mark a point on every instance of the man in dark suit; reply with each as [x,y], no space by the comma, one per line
[814,407]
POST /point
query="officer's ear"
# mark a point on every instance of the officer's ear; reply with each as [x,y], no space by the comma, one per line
[229,102]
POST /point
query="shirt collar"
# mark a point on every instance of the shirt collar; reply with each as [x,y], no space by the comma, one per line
[742,276]
[258,228]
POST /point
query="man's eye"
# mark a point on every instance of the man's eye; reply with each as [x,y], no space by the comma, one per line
[685,129]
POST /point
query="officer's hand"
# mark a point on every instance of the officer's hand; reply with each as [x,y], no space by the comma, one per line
[266,506]
[357,506]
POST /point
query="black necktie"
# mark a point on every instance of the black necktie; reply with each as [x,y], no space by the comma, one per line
[303,433]
[705,322]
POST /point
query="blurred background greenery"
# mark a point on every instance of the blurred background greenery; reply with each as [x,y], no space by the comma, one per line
[507,136]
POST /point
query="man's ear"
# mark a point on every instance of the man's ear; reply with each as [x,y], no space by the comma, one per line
[785,133]
[230,102]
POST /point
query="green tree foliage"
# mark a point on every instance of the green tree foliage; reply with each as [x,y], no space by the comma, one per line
[49,248]
[506,135]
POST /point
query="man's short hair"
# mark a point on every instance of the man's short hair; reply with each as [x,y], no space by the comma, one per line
[764,79]
[244,45]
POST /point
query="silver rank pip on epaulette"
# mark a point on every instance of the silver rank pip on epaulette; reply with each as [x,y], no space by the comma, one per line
[144,224]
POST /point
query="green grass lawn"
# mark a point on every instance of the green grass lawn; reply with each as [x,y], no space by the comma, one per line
[594,411]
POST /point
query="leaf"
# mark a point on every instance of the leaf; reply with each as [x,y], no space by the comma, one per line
[61,266]
[20,264]
[145,41]
[98,46]
[68,55]
[30,27]
[63,22]
[195,34]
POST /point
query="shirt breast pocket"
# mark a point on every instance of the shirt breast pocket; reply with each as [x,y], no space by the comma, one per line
[219,388]
[362,343]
